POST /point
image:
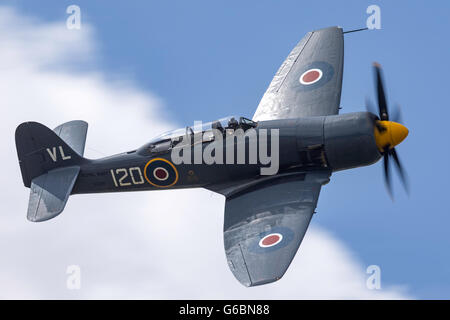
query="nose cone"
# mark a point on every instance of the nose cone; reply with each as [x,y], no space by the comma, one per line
[398,133]
[392,134]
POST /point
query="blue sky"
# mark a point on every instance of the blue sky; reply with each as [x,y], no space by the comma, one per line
[210,59]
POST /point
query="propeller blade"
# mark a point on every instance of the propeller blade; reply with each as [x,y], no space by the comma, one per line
[397,114]
[381,96]
[387,176]
[370,107]
[401,172]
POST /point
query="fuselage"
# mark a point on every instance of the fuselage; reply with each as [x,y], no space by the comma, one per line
[330,142]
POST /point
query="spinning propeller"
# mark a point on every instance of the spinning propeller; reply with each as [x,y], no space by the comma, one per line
[388,133]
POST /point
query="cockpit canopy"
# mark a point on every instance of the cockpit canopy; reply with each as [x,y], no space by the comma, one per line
[166,141]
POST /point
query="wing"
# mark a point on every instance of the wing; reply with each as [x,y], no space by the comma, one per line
[309,81]
[265,223]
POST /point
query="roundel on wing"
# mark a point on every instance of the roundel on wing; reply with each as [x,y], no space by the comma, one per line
[270,240]
[160,173]
[313,75]
[276,238]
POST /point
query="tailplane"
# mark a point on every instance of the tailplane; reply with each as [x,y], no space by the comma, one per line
[50,162]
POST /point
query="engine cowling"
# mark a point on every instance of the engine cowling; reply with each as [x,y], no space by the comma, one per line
[349,140]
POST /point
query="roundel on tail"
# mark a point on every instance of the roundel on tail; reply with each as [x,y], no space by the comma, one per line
[160,173]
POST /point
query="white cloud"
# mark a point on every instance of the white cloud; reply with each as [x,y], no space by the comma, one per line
[131,245]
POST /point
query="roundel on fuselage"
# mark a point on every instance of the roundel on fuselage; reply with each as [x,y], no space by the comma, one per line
[160,173]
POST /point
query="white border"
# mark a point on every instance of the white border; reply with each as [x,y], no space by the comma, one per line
[314,81]
[167,174]
[280,237]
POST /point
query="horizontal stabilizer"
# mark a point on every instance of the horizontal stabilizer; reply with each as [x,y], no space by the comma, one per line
[74,134]
[49,193]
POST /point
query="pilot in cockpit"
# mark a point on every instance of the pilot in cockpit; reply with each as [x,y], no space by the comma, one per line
[168,140]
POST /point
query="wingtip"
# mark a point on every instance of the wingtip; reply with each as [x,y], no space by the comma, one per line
[328,29]
[262,282]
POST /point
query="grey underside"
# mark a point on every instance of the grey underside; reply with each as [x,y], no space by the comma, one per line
[74,134]
[256,209]
[49,192]
[283,205]
[285,98]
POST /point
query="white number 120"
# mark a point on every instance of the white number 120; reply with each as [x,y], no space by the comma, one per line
[121,174]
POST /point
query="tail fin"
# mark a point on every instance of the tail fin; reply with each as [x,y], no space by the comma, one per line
[50,163]
[40,149]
